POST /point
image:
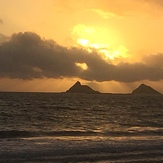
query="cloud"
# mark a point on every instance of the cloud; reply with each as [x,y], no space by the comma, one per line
[104,14]
[1,21]
[157,2]
[28,56]
[3,38]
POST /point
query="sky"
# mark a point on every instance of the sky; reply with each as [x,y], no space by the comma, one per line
[112,46]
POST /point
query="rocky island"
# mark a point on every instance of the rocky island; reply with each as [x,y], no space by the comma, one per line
[144,89]
[141,90]
[78,88]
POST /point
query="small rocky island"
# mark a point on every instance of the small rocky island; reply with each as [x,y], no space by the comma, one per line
[144,89]
[78,88]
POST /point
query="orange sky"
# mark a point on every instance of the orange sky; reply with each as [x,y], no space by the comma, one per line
[113,46]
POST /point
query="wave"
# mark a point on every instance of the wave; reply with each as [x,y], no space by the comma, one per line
[75,150]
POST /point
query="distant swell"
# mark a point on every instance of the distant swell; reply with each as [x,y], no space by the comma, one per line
[19,134]
[15,133]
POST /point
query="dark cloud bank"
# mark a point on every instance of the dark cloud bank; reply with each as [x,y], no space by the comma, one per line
[27,56]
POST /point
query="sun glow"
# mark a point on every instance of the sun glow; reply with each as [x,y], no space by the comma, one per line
[100,40]
[83,42]
[83,66]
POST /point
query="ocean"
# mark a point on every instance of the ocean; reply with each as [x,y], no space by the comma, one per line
[63,127]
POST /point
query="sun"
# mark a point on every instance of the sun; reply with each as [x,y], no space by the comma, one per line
[101,40]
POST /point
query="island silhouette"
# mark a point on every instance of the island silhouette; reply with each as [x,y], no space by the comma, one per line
[145,89]
[141,89]
[78,88]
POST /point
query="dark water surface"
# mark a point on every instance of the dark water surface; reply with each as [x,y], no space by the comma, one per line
[59,127]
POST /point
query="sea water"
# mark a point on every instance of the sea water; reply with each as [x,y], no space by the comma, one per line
[62,127]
